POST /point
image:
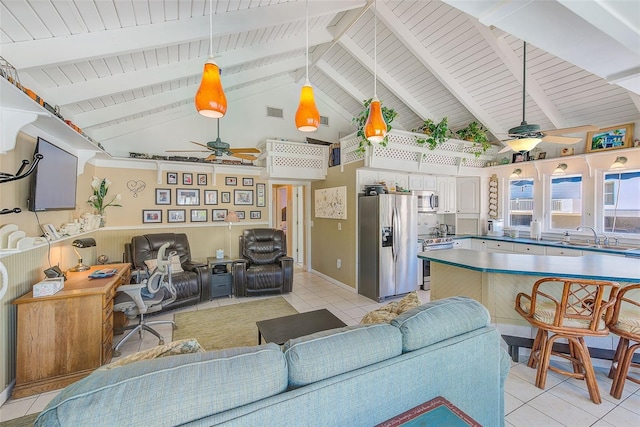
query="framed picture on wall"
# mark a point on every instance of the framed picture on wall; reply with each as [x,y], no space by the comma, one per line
[247,182]
[218,214]
[611,138]
[172,178]
[240,214]
[260,195]
[186,196]
[210,197]
[243,197]
[202,179]
[176,215]
[255,214]
[198,215]
[151,216]
[226,197]
[163,196]
[231,180]
[187,179]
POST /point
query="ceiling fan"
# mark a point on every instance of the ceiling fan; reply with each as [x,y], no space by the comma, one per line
[526,136]
[221,148]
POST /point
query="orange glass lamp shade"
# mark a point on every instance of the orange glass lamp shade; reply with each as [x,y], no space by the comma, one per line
[307,115]
[375,129]
[210,98]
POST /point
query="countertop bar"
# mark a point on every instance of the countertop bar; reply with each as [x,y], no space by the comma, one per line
[585,267]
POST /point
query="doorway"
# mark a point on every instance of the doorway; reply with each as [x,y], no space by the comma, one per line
[288,215]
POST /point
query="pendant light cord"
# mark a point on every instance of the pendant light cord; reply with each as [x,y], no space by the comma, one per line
[211,28]
[307,59]
[375,50]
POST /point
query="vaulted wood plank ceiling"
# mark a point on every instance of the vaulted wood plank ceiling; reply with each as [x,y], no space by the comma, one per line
[117,66]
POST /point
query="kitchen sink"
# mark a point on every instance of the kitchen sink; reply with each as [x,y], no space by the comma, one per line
[591,245]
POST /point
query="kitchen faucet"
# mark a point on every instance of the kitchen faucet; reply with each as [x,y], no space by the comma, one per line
[595,235]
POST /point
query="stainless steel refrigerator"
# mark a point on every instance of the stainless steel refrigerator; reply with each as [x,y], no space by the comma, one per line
[387,236]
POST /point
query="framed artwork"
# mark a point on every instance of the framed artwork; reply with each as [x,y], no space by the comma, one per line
[218,214]
[240,214]
[247,182]
[330,203]
[260,195]
[210,197]
[198,215]
[226,197]
[151,216]
[176,215]
[519,157]
[542,155]
[163,196]
[186,196]
[255,214]
[187,178]
[231,180]
[243,197]
[612,138]
[172,178]
[202,179]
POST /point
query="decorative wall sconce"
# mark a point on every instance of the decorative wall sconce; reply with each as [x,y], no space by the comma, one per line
[559,170]
[516,173]
[619,163]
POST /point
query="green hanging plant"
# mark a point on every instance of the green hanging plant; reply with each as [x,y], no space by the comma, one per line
[477,134]
[360,120]
[437,133]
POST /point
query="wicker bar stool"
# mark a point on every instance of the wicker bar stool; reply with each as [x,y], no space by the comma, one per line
[625,323]
[570,309]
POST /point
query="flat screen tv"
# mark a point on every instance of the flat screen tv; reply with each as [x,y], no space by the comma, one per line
[53,184]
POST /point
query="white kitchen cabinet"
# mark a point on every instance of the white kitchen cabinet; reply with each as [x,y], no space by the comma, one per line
[422,182]
[499,246]
[446,194]
[478,245]
[551,250]
[529,249]
[367,177]
[462,244]
[392,179]
[468,195]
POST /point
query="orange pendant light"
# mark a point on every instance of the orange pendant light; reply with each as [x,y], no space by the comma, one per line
[210,99]
[375,129]
[307,115]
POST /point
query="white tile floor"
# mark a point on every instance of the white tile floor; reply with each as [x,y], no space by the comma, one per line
[564,402]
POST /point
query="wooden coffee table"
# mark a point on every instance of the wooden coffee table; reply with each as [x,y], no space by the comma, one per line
[282,329]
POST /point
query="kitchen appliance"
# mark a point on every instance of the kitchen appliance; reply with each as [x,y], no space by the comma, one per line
[374,189]
[495,227]
[387,236]
[432,243]
[427,200]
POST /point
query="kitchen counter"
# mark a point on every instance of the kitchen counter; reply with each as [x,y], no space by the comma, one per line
[555,243]
[494,279]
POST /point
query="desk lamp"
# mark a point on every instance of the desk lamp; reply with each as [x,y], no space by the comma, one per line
[231,218]
[89,242]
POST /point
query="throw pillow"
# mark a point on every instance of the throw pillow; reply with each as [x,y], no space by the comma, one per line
[187,345]
[176,267]
[390,311]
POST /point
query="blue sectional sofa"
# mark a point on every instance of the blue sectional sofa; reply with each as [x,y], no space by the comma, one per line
[356,376]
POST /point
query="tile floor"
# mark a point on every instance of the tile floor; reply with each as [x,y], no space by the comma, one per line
[564,402]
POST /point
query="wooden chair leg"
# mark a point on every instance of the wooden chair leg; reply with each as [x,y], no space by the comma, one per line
[589,374]
[541,336]
[577,367]
[544,357]
[622,371]
[616,358]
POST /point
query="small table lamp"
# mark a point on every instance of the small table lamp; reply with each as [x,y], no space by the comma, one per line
[230,218]
[89,242]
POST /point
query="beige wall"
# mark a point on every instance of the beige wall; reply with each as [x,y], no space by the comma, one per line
[327,242]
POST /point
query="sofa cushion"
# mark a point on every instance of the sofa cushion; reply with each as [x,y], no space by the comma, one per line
[438,320]
[176,389]
[176,267]
[328,353]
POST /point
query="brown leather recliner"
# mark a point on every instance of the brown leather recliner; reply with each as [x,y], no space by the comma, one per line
[192,284]
[265,266]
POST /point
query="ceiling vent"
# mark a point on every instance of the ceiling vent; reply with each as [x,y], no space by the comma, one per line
[275,112]
[324,120]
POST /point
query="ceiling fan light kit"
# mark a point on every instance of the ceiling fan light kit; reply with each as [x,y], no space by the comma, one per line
[523,145]
[307,115]
[210,99]
[375,129]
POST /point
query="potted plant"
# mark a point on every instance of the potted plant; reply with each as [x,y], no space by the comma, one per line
[360,120]
[477,134]
[437,133]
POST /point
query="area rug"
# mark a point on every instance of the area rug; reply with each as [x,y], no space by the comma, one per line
[25,421]
[231,325]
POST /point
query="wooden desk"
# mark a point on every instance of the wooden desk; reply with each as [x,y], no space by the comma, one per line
[64,337]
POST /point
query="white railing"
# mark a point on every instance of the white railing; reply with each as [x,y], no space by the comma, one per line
[293,160]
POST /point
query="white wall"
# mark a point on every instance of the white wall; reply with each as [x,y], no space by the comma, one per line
[244,125]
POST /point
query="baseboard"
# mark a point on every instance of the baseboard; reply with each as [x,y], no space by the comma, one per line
[334,281]
[6,393]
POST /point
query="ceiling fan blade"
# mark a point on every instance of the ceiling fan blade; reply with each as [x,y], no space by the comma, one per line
[577,129]
[202,145]
[505,149]
[245,150]
[244,156]
[555,139]
[210,158]
[187,151]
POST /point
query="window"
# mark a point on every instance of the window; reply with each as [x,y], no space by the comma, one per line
[621,210]
[566,202]
[520,202]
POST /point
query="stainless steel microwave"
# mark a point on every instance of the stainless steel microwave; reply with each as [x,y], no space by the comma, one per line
[427,200]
